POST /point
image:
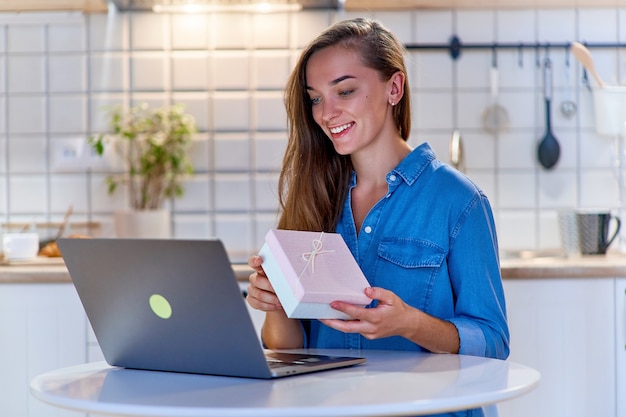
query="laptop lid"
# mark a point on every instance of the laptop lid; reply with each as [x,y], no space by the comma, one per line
[171,305]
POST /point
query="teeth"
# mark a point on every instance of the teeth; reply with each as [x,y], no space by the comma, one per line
[340,129]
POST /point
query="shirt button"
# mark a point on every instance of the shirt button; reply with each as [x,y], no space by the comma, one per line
[367,229]
[392,177]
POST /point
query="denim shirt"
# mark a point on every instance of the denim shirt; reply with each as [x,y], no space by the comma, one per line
[432,241]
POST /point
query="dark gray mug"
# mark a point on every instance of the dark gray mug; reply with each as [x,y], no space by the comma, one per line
[593,232]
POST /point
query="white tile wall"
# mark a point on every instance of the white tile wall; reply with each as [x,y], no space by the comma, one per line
[26,38]
[26,74]
[67,73]
[26,114]
[68,114]
[149,72]
[190,32]
[57,77]
[231,70]
[190,71]
[66,38]
[230,31]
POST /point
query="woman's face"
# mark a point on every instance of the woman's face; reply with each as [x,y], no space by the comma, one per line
[349,101]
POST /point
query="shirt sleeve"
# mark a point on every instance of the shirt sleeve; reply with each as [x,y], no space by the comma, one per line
[480,310]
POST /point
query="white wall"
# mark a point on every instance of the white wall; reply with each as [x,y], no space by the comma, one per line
[57,71]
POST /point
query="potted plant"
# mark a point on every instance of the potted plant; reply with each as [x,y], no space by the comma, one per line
[152,145]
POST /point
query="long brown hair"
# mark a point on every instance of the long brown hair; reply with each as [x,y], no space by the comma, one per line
[314,179]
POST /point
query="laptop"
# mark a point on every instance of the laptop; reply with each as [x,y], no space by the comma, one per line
[175,305]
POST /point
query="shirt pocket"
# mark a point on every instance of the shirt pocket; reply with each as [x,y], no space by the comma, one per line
[409,267]
[411,253]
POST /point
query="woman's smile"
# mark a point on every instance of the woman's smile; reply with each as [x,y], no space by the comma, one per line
[338,130]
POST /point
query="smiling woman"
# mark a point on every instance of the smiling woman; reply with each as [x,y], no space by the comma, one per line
[422,233]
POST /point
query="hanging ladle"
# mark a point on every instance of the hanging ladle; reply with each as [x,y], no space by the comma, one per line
[549,149]
[582,54]
[568,107]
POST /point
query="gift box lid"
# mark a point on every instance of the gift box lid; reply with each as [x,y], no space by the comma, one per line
[318,266]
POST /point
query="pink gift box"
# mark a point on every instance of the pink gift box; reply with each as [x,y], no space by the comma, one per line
[309,270]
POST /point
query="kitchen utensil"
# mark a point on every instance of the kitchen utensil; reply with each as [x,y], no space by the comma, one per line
[549,150]
[582,54]
[456,151]
[495,116]
[568,106]
[568,109]
[593,231]
[66,218]
[61,230]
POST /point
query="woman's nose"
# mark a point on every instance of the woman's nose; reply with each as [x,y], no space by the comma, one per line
[329,110]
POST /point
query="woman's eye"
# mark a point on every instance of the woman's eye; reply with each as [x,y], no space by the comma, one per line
[315,100]
[345,93]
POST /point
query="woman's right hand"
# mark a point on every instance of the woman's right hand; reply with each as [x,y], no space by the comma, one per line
[261,295]
[279,332]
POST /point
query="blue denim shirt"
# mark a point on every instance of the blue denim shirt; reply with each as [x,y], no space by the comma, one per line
[432,241]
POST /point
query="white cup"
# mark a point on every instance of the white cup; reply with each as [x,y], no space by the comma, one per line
[610,109]
[20,246]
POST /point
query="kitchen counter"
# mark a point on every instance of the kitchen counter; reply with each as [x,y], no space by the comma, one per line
[52,270]
[560,266]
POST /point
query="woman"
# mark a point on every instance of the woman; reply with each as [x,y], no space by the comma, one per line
[422,233]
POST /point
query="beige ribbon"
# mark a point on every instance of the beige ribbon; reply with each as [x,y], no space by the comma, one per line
[309,257]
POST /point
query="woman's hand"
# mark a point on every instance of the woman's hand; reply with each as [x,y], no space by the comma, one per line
[261,295]
[393,317]
[279,332]
[387,319]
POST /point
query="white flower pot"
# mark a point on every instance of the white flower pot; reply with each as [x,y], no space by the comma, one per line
[154,224]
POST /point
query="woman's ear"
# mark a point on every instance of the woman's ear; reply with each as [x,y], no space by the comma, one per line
[396,90]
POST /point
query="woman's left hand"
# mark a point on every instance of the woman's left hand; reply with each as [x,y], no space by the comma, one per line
[388,318]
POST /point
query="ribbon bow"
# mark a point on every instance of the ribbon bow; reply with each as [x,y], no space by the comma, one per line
[309,257]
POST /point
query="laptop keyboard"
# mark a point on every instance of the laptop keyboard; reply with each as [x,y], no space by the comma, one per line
[277,364]
[278,360]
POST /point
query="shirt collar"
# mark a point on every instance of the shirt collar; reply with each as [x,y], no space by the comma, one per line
[410,168]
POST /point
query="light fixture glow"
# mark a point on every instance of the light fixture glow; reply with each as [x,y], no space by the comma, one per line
[264,7]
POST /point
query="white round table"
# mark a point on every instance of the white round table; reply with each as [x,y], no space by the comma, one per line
[390,383]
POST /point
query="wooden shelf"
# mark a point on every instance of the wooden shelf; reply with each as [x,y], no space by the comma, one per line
[13,227]
[477,4]
[95,6]
[87,6]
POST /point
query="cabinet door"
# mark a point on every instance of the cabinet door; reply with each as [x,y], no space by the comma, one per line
[42,328]
[620,344]
[565,329]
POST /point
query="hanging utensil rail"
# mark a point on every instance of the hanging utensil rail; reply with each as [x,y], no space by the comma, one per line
[455,46]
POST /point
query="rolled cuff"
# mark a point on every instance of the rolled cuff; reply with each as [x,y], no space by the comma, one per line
[471,337]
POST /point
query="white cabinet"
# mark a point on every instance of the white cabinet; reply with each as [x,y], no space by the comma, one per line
[565,328]
[620,345]
[42,328]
